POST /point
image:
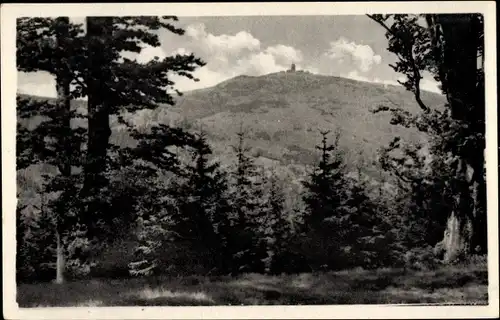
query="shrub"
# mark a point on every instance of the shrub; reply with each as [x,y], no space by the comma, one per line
[475,261]
[421,259]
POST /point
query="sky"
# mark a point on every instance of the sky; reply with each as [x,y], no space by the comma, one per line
[347,46]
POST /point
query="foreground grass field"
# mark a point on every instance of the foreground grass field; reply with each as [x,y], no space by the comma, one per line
[450,285]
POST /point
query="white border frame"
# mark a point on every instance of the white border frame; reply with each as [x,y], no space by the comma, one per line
[9,13]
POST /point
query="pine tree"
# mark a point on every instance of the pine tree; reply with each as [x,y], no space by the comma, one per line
[51,45]
[248,214]
[277,227]
[90,66]
[113,86]
[203,208]
[325,184]
[367,236]
[160,172]
[324,199]
[35,241]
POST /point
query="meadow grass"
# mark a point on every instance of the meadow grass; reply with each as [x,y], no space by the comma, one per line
[448,285]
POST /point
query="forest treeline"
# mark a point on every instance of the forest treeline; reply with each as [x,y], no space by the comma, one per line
[184,210]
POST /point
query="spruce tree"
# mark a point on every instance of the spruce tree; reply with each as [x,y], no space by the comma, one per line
[90,65]
[367,235]
[248,214]
[153,226]
[51,45]
[160,172]
[323,199]
[35,241]
[326,184]
[114,86]
[203,207]
[277,229]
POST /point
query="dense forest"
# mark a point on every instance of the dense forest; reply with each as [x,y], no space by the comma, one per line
[175,208]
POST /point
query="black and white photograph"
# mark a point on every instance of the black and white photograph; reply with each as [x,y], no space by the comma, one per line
[171,156]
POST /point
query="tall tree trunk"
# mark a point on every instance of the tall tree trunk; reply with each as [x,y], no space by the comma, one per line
[466,228]
[99,131]
[60,262]
[63,105]
[456,242]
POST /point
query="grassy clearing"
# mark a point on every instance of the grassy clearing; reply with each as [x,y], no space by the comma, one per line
[450,285]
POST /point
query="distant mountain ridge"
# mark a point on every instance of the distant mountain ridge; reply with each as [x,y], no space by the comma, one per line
[282,114]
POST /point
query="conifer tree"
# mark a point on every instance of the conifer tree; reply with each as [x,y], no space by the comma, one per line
[277,228]
[158,167]
[154,226]
[51,45]
[203,208]
[248,213]
[35,241]
[324,197]
[114,86]
[326,184]
[90,65]
[367,235]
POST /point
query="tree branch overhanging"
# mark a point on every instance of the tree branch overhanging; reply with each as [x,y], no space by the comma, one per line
[408,44]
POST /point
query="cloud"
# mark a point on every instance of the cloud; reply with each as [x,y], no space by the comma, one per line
[181,51]
[362,56]
[284,54]
[358,61]
[272,59]
[309,69]
[255,64]
[219,50]
[429,84]
[39,83]
[229,55]
[232,54]
[225,44]
[354,75]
